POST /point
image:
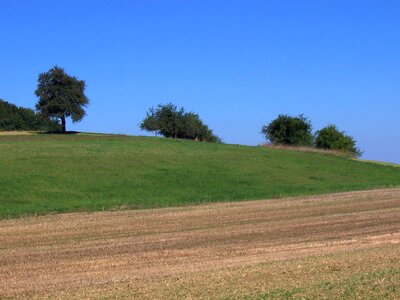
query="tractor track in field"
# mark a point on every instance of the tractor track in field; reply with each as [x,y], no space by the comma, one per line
[59,255]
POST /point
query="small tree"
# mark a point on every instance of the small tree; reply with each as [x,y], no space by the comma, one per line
[287,130]
[169,121]
[330,137]
[164,120]
[61,96]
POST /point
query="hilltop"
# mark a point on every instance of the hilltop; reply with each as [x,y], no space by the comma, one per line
[43,173]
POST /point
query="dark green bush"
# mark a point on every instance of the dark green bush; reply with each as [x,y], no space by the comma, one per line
[20,118]
[287,130]
[331,138]
[168,121]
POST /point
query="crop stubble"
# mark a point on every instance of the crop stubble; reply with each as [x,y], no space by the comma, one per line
[203,251]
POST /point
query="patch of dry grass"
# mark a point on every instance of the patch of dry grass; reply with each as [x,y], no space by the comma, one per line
[381,163]
[9,133]
[308,149]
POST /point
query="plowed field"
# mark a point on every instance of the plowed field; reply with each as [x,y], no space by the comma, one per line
[311,246]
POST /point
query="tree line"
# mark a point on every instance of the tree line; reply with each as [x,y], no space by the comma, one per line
[13,117]
[297,131]
[62,96]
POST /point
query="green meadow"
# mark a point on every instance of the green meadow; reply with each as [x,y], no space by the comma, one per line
[45,173]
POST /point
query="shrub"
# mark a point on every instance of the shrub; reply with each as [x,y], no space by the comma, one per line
[287,130]
[330,137]
[168,121]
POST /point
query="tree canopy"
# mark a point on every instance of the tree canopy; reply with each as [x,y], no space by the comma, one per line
[288,130]
[330,137]
[61,96]
[169,121]
[13,117]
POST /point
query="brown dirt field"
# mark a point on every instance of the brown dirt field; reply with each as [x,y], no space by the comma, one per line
[209,251]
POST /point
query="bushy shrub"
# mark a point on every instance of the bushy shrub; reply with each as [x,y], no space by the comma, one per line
[169,121]
[288,130]
[331,138]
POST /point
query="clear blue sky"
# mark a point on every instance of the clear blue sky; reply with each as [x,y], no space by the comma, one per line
[237,63]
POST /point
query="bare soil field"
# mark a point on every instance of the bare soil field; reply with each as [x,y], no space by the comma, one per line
[332,246]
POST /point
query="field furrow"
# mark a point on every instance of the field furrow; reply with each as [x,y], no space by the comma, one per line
[161,253]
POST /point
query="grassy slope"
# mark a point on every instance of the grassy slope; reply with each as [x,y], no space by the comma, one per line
[45,173]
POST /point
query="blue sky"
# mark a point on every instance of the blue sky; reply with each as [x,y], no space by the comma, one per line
[237,63]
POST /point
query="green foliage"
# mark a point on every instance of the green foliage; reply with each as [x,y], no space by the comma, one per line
[45,173]
[287,130]
[20,118]
[330,137]
[61,96]
[170,122]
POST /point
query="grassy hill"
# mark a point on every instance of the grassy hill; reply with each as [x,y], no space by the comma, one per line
[59,173]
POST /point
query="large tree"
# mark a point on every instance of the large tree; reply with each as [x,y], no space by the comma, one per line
[61,96]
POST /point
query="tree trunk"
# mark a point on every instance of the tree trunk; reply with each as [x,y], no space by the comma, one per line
[63,124]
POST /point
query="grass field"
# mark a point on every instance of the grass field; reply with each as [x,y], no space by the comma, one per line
[46,173]
[336,246]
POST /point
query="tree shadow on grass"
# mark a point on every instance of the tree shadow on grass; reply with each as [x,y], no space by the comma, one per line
[59,132]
